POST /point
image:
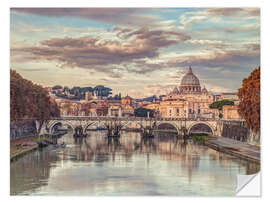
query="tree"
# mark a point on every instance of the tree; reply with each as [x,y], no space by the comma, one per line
[142,112]
[30,102]
[249,96]
[57,87]
[220,104]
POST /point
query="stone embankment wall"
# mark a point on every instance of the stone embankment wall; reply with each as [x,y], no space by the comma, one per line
[22,130]
[235,130]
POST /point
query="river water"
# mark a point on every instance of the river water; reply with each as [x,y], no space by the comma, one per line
[130,166]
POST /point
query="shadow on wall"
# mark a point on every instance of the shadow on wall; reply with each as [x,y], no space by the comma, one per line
[22,130]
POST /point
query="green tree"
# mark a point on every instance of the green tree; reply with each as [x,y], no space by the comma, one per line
[220,104]
[56,87]
[142,112]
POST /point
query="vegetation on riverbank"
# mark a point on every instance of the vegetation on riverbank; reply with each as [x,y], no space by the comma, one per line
[249,95]
[41,138]
[19,147]
[29,101]
[200,138]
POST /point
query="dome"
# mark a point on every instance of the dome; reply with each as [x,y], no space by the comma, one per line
[190,83]
[190,79]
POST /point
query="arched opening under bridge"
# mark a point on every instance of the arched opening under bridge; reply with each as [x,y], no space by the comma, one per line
[59,126]
[201,129]
[94,126]
[167,127]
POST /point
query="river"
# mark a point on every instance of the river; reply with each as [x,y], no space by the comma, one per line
[130,166]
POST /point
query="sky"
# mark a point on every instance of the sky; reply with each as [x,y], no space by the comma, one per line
[136,51]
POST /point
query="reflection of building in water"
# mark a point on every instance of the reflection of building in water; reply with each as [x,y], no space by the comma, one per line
[184,159]
[98,148]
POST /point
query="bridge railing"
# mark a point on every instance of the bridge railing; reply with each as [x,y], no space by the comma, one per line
[238,122]
[106,118]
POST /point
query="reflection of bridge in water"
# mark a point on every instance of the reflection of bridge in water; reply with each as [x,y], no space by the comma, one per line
[56,167]
[98,148]
[202,125]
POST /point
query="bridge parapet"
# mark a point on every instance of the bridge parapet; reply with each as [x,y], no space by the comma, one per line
[234,122]
[105,118]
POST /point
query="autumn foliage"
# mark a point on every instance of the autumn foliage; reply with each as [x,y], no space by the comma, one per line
[249,95]
[29,101]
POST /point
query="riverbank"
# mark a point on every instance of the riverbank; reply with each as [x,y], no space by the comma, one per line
[21,146]
[236,148]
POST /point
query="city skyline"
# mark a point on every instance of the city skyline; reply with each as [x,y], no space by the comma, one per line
[139,52]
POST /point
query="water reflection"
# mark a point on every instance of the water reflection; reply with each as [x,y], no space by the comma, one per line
[130,165]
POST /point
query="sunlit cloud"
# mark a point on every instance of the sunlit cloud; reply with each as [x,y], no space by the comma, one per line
[135,51]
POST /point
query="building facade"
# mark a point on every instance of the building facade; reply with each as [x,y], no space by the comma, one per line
[188,100]
[230,112]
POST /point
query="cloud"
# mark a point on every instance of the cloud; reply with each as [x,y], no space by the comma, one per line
[234,58]
[33,69]
[229,20]
[210,44]
[232,12]
[159,89]
[103,55]
[118,16]
[253,28]
[156,38]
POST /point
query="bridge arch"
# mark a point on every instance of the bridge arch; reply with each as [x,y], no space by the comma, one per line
[54,123]
[168,123]
[93,123]
[203,127]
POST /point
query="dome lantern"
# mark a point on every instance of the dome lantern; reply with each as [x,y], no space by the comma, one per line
[190,70]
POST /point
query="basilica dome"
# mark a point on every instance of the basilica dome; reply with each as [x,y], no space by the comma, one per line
[190,83]
[190,79]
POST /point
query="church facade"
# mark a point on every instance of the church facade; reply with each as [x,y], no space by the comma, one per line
[188,100]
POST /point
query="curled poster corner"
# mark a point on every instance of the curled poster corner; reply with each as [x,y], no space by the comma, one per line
[249,185]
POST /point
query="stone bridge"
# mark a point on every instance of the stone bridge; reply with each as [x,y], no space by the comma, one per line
[202,125]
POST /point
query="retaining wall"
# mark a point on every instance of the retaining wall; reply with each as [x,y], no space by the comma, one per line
[235,130]
[22,130]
